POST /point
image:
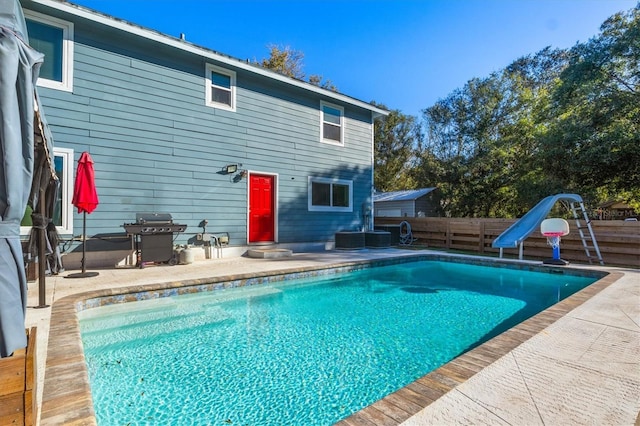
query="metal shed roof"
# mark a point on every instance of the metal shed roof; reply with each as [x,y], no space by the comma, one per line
[406,195]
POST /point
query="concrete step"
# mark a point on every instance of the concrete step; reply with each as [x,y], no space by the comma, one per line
[269,253]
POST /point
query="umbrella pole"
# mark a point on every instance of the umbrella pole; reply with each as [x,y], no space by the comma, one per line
[84,273]
[42,256]
[84,197]
[84,241]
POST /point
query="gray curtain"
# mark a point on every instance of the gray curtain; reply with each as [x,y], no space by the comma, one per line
[19,68]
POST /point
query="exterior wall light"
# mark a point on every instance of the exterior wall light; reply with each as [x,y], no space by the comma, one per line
[230,168]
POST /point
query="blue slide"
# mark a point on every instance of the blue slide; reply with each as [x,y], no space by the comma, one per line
[514,235]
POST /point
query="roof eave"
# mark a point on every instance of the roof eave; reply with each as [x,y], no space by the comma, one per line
[157,36]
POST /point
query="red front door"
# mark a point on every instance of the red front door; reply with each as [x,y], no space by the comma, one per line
[261,208]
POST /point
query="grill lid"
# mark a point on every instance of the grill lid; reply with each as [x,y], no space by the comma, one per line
[153,218]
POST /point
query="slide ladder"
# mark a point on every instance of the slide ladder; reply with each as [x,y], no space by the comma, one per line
[588,238]
[514,235]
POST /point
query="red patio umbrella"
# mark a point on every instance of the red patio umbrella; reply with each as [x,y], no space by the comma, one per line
[85,198]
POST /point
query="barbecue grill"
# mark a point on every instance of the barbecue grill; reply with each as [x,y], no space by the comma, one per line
[153,237]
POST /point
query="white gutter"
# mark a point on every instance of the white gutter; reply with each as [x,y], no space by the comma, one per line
[371,224]
[159,37]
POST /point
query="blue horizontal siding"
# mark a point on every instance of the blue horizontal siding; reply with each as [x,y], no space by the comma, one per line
[139,109]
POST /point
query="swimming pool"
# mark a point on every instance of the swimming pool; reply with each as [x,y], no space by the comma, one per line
[300,352]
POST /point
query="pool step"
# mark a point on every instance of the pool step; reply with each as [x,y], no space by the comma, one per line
[269,253]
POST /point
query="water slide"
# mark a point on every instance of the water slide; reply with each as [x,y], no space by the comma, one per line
[514,235]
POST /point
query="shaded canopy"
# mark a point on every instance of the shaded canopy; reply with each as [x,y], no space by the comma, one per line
[24,143]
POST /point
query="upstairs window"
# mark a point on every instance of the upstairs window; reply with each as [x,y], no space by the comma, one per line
[332,125]
[54,38]
[330,195]
[221,88]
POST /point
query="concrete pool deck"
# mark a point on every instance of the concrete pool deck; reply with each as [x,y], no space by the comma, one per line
[575,363]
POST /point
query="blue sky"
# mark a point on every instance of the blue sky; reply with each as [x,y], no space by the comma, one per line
[406,54]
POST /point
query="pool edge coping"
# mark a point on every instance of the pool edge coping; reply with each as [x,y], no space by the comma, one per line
[67,397]
[401,405]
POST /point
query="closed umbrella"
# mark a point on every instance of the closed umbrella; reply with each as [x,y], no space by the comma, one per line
[85,198]
[19,68]
[43,239]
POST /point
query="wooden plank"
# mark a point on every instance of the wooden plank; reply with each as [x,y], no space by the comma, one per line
[30,367]
[618,241]
[30,408]
[403,403]
[463,247]
[12,373]
[391,410]
[375,416]
[356,419]
[12,409]
[18,405]
[425,390]
[457,371]
[30,400]
[412,396]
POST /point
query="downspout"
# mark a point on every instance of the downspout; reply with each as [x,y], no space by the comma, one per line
[373,147]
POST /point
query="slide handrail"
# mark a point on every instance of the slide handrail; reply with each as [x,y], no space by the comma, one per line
[514,235]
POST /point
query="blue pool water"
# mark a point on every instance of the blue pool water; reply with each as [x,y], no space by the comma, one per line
[304,352]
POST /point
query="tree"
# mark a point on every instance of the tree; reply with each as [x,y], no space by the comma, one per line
[482,139]
[395,139]
[556,121]
[532,80]
[284,60]
[318,80]
[593,141]
[464,133]
[289,62]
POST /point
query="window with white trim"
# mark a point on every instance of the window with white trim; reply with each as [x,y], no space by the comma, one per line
[54,38]
[220,88]
[63,209]
[335,195]
[332,124]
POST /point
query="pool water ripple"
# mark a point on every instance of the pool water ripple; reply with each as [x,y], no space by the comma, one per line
[303,352]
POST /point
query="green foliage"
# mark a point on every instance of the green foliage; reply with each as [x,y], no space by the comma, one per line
[395,138]
[560,120]
[556,121]
[289,62]
[319,80]
[284,60]
[594,119]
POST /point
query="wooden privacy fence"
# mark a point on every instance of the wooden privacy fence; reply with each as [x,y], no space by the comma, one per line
[619,241]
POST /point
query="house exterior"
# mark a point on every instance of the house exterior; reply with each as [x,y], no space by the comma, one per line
[406,203]
[163,118]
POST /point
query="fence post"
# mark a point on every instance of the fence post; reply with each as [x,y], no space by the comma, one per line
[481,238]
